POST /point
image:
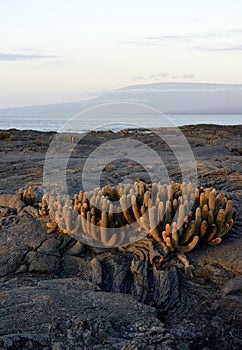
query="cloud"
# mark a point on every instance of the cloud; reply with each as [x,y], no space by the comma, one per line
[167,38]
[191,40]
[143,42]
[183,37]
[204,41]
[196,36]
[160,75]
[236,30]
[219,48]
[139,78]
[225,48]
[22,57]
[188,76]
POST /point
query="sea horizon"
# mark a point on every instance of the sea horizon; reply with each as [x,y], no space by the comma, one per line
[54,123]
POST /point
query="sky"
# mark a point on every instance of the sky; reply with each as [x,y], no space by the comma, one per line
[54,51]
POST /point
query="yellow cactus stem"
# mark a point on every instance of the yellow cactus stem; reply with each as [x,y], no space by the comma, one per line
[168,230]
[146,199]
[141,188]
[52,227]
[226,228]
[198,220]
[125,209]
[181,213]
[168,213]
[29,191]
[211,234]
[202,199]
[182,258]
[103,228]
[187,248]
[210,218]
[186,207]
[93,211]
[20,192]
[175,205]
[174,237]
[218,201]
[68,220]
[163,194]
[183,187]
[224,202]
[121,236]
[112,241]
[154,232]
[169,244]
[135,208]
[189,189]
[25,197]
[94,232]
[170,193]
[77,225]
[197,198]
[215,241]
[88,223]
[228,210]
[220,219]
[160,212]
[205,212]
[145,220]
[189,233]
[207,193]
[211,200]
[129,203]
[180,224]
[83,220]
[203,229]
[44,203]
[110,216]
[163,234]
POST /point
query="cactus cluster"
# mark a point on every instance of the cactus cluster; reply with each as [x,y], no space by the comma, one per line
[176,215]
[27,196]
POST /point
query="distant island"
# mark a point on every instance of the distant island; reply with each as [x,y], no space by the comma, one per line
[170,98]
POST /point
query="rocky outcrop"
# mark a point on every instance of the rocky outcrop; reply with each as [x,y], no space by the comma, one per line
[57,293]
[70,313]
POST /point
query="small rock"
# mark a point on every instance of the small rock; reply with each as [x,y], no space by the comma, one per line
[76,249]
[70,265]
[42,263]
[22,268]
[232,286]
[96,271]
[9,259]
[11,201]
[73,265]
[50,247]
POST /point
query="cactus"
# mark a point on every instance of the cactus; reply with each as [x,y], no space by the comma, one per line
[27,196]
[177,216]
[43,205]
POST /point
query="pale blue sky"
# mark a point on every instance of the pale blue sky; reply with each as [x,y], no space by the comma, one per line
[55,51]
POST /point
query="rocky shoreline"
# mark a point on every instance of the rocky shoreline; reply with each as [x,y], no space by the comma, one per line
[51,296]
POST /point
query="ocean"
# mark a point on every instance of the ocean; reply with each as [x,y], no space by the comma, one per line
[109,123]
